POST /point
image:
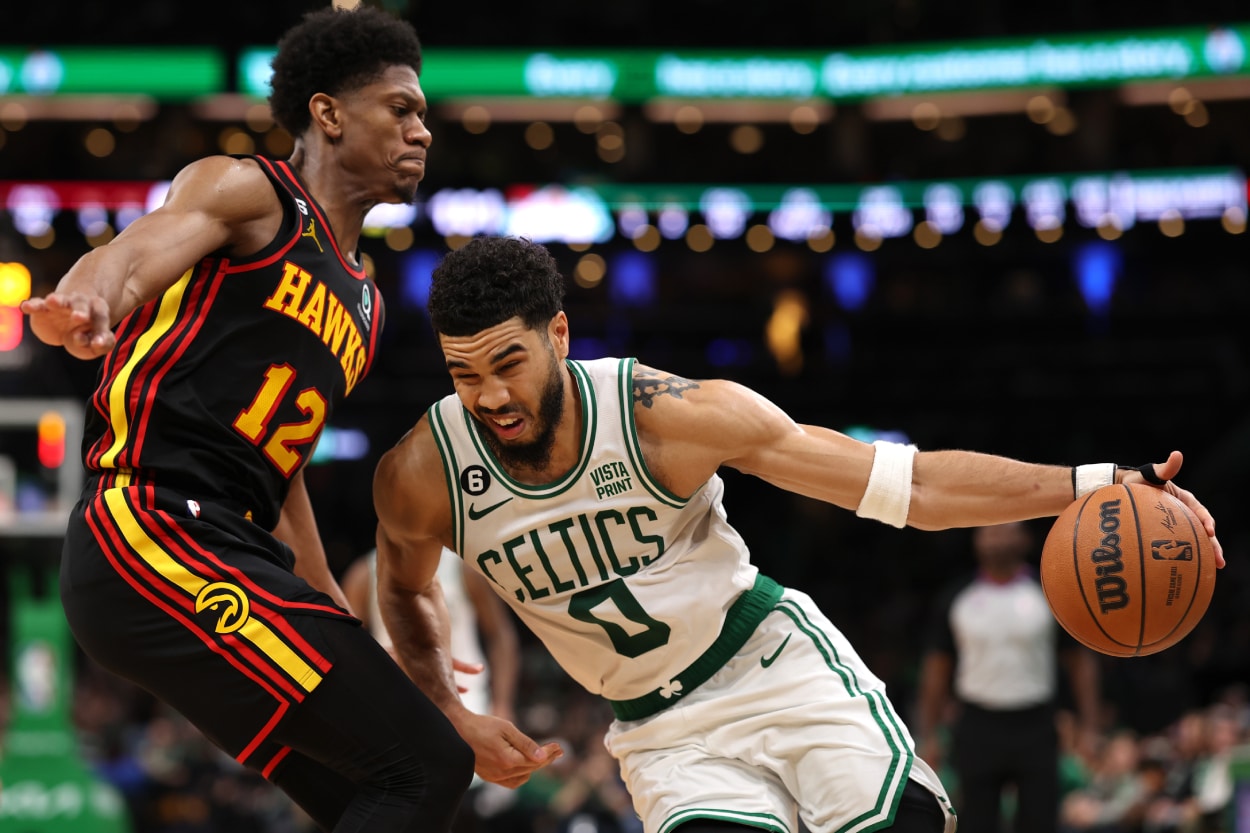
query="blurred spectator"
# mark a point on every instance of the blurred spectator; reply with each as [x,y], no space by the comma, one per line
[1173,804]
[1113,800]
[1213,778]
[995,643]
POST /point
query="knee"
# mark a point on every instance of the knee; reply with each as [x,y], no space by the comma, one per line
[460,762]
[430,764]
[447,780]
[425,793]
[448,771]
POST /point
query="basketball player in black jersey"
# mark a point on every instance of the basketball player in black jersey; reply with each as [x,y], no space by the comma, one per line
[230,322]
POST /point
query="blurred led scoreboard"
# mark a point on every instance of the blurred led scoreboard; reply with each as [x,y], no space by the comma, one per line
[181,72]
[595,213]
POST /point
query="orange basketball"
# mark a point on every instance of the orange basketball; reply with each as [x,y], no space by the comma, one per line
[1128,570]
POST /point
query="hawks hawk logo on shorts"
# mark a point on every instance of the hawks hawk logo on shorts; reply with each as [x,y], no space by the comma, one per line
[228,601]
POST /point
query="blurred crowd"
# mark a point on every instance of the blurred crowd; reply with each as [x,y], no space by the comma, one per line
[1182,778]
[1179,780]
[173,780]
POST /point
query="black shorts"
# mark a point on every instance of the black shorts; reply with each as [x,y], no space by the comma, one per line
[199,606]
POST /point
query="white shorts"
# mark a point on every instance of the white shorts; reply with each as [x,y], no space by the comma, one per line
[795,725]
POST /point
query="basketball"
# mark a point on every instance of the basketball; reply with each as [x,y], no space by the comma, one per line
[1128,570]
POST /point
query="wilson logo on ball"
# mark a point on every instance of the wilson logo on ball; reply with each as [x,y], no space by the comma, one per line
[1111,587]
[1172,550]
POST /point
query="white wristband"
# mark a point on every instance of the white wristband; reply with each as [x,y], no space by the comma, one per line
[1091,476]
[888,494]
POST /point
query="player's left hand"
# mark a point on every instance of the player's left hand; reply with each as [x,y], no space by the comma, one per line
[1166,471]
[76,321]
[504,754]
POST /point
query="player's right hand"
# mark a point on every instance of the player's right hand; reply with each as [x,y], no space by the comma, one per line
[75,321]
[504,754]
[1168,470]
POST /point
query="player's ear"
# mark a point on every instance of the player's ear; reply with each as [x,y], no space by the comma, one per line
[325,115]
[558,334]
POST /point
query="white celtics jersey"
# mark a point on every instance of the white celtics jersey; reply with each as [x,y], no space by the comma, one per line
[626,584]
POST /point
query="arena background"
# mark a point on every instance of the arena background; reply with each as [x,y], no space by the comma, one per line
[1071,330]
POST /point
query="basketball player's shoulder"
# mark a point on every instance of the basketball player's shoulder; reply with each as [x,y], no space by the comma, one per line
[224,172]
[235,187]
[414,452]
[652,388]
[409,487]
[668,407]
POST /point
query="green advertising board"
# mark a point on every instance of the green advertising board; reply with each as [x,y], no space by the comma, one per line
[164,73]
[47,788]
[1079,60]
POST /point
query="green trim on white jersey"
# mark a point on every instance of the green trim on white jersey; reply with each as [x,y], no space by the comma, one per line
[447,453]
[634,447]
[762,821]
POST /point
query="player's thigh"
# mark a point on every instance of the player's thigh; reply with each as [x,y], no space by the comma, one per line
[683,784]
[369,721]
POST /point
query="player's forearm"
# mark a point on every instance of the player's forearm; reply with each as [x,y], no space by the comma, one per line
[422,645]
[965,488]
[107,273]
[317,573]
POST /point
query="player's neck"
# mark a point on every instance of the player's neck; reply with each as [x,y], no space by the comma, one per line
[344,211]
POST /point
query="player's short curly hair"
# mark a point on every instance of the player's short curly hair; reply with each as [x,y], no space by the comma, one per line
[335,50]
[492,279]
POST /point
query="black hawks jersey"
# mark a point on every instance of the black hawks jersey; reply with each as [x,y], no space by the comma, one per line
[220,387]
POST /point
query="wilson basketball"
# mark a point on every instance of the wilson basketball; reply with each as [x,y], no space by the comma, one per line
[1128,570]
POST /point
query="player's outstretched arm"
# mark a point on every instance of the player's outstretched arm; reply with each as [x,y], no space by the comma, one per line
[689,428]
[213,204]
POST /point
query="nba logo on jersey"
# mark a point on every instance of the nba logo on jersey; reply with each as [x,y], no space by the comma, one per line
[193,508]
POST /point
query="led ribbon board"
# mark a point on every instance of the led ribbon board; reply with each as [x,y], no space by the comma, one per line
[632,76]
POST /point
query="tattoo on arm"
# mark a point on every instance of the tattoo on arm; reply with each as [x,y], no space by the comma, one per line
[648,387]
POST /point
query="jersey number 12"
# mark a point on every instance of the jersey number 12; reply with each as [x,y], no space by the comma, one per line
[280,443]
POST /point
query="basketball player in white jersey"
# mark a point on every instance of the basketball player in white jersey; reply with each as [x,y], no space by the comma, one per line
[588,494]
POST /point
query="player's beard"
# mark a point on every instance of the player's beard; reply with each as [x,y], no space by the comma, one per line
[534,455]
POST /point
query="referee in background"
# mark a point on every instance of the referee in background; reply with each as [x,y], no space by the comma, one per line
[995,646]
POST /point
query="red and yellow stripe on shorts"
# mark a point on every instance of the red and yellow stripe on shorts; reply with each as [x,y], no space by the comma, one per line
[165,565]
